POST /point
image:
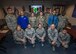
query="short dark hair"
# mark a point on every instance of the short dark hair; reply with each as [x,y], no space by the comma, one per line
[9,8]
[64,28]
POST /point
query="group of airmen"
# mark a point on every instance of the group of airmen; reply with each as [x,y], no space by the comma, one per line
[48,25]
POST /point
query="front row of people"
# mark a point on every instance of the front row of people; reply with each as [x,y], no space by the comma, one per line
[55,38]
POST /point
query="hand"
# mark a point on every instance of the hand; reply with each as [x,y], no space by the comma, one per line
[53,43]
[42,38]
[23,40]
[32,38]
[63,43]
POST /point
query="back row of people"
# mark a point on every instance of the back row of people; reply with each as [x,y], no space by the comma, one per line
[45,19]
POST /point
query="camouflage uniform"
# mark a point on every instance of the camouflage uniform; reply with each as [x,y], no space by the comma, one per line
[30,33]
[61,23]
[41,19]
[32,21]
[19,35]
[11,22]
[64,38]
[53,35]
[40,32]
[47,16]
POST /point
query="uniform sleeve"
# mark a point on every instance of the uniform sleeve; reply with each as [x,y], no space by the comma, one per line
[15,36]
[56,35]
[37,21]
[37,33]
[25,34]
[49,35]
[34,33]
[44,34]
[7,20]
[68,38]
[59,38]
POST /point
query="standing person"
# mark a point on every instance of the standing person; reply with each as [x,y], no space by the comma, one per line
[22,20]
[53,36]
[47,14]
[11,19]
[64,38]
[40,33]
[30,34]
[41,20]
[19,36]
[53,19]
[61,23]
[32,20]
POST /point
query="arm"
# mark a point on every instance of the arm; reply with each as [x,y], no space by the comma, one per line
[16,37]
[38,35]
[44,33]
[68,38]
[59,38]
[49,35]
[34,33]
[56,35]
[7,20]
[25,34]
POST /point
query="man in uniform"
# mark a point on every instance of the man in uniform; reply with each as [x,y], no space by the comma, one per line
[47,14]
[40,33]
[61,23]
[11,19]
[30,34]
[53,36]
[64,38]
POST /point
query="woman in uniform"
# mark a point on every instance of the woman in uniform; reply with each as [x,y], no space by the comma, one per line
[30,34]
[40,33]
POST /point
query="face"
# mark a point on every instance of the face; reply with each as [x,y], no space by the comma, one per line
[29,26]
[21,13]
[10,11]
[32,14]
[54,12]
[52,26]
[41,13]
[50,10]
[39,26]
[64,31]
[18,28]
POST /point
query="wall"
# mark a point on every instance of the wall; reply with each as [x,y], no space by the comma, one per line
[69,11]
[1,14]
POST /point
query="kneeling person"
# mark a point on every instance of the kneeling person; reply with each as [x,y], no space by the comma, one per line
[53,35]
[64,38]
[40,33]
[30,34]
[19,36]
